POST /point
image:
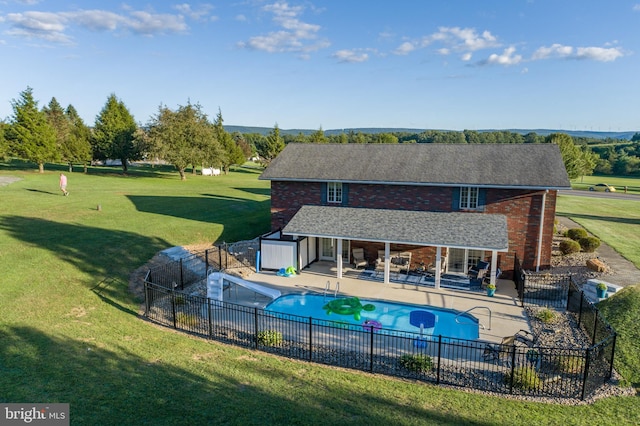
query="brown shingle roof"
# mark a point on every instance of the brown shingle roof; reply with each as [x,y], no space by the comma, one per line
[491,165]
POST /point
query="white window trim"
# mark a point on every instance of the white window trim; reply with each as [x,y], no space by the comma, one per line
[334,192]
[469,198]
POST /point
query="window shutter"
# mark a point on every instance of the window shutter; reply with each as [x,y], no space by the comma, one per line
[455,202]
[323,193]
[345,194]
[482,199]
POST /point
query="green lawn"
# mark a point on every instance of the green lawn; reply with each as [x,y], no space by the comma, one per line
[612,220]
[632,183]
[63,340]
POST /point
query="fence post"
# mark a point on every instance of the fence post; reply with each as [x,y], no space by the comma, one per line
[209,315]
[580,309]
[147,301]
[585,377]
[439,358]
[226,256]
[513,367]
[310,338]
[595,328]
[219,257]
[255,323]
[181,276]
[173,308]
[613,351]
[206,261]
[371,351]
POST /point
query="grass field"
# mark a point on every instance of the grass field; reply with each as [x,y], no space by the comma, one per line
[64,340]
[632,183]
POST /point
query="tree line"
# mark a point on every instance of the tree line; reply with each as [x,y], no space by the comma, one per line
[185,138]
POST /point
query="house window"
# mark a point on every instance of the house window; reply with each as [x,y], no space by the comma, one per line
[468,197]
[334,192]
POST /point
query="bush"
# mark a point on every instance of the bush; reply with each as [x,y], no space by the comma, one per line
[270,338]
[576,233]
[546,316]
[569,246]
[589,244]
[417,363]
[525,378]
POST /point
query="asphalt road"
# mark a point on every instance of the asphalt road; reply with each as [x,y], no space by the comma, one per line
[593,194]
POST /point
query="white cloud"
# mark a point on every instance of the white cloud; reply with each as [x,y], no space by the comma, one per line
[294,36]
[601,54]
[506,58]
[466,57]
[405,48]
[636,7]
[453,39]
[198,15]
[53,26]
[351,56]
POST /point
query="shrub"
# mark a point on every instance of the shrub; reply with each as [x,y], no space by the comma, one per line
[572,364]
[525,378]
[417,363]
[569,246]
[576,233]
[546,315]
[180,300]
[589,244]
[270,338]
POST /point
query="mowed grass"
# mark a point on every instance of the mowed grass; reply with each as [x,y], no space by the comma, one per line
[612,220]
[619,182]
[62,339]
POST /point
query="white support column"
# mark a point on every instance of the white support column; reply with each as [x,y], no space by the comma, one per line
[438,266]
[387,251]
[494,266]
[541,232]
[339,257]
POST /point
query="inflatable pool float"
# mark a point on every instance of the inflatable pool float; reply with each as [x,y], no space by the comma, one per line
[372,325]
[347,306]
[288,272]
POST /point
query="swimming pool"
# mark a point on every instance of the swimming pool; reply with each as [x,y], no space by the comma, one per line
[388,315]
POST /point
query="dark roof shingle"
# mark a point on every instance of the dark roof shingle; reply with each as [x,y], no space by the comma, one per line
[491,165]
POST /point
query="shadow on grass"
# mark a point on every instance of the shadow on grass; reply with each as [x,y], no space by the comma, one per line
[240,217]
[44,192]
[625,220]
[108,383]
[97,252]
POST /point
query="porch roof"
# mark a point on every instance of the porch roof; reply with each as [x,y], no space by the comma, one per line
[457,230]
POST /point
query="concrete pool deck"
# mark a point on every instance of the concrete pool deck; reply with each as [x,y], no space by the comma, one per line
[507,316]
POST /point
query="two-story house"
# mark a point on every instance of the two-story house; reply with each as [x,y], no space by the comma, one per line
[448,205]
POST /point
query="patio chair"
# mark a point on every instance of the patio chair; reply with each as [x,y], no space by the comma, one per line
[358,258]
[478,271]
[502,353]
[443,264]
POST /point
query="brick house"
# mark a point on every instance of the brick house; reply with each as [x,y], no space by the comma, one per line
[448,205]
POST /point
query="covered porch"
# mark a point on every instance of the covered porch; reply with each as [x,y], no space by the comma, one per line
[444,231]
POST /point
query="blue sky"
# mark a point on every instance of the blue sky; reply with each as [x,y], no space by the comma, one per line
[420,64]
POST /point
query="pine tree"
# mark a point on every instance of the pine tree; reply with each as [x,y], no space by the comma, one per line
[30,135]
[113,134]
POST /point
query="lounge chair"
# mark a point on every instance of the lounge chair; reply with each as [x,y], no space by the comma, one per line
[443,265]
[358,258]
[478,271]
[503,354]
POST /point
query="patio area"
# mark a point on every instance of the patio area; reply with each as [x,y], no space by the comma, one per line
[507,316]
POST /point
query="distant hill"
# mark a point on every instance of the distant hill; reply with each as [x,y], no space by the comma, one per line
[373,130]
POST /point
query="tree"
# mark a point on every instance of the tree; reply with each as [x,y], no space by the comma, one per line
[31,136]
[4,144]
[243,144]
[182,137]
[233,155]
[318,136]
[577,162]
[113,134]
[635,137]
[76,148]
[268,148]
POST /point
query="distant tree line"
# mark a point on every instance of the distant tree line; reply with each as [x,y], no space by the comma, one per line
[183,137]
[186,138]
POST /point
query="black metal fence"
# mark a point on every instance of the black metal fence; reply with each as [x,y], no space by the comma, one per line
[509,369]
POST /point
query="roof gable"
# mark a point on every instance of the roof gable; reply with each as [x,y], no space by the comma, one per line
[491,165]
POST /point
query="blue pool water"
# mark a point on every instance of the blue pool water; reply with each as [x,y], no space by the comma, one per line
[391,315]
